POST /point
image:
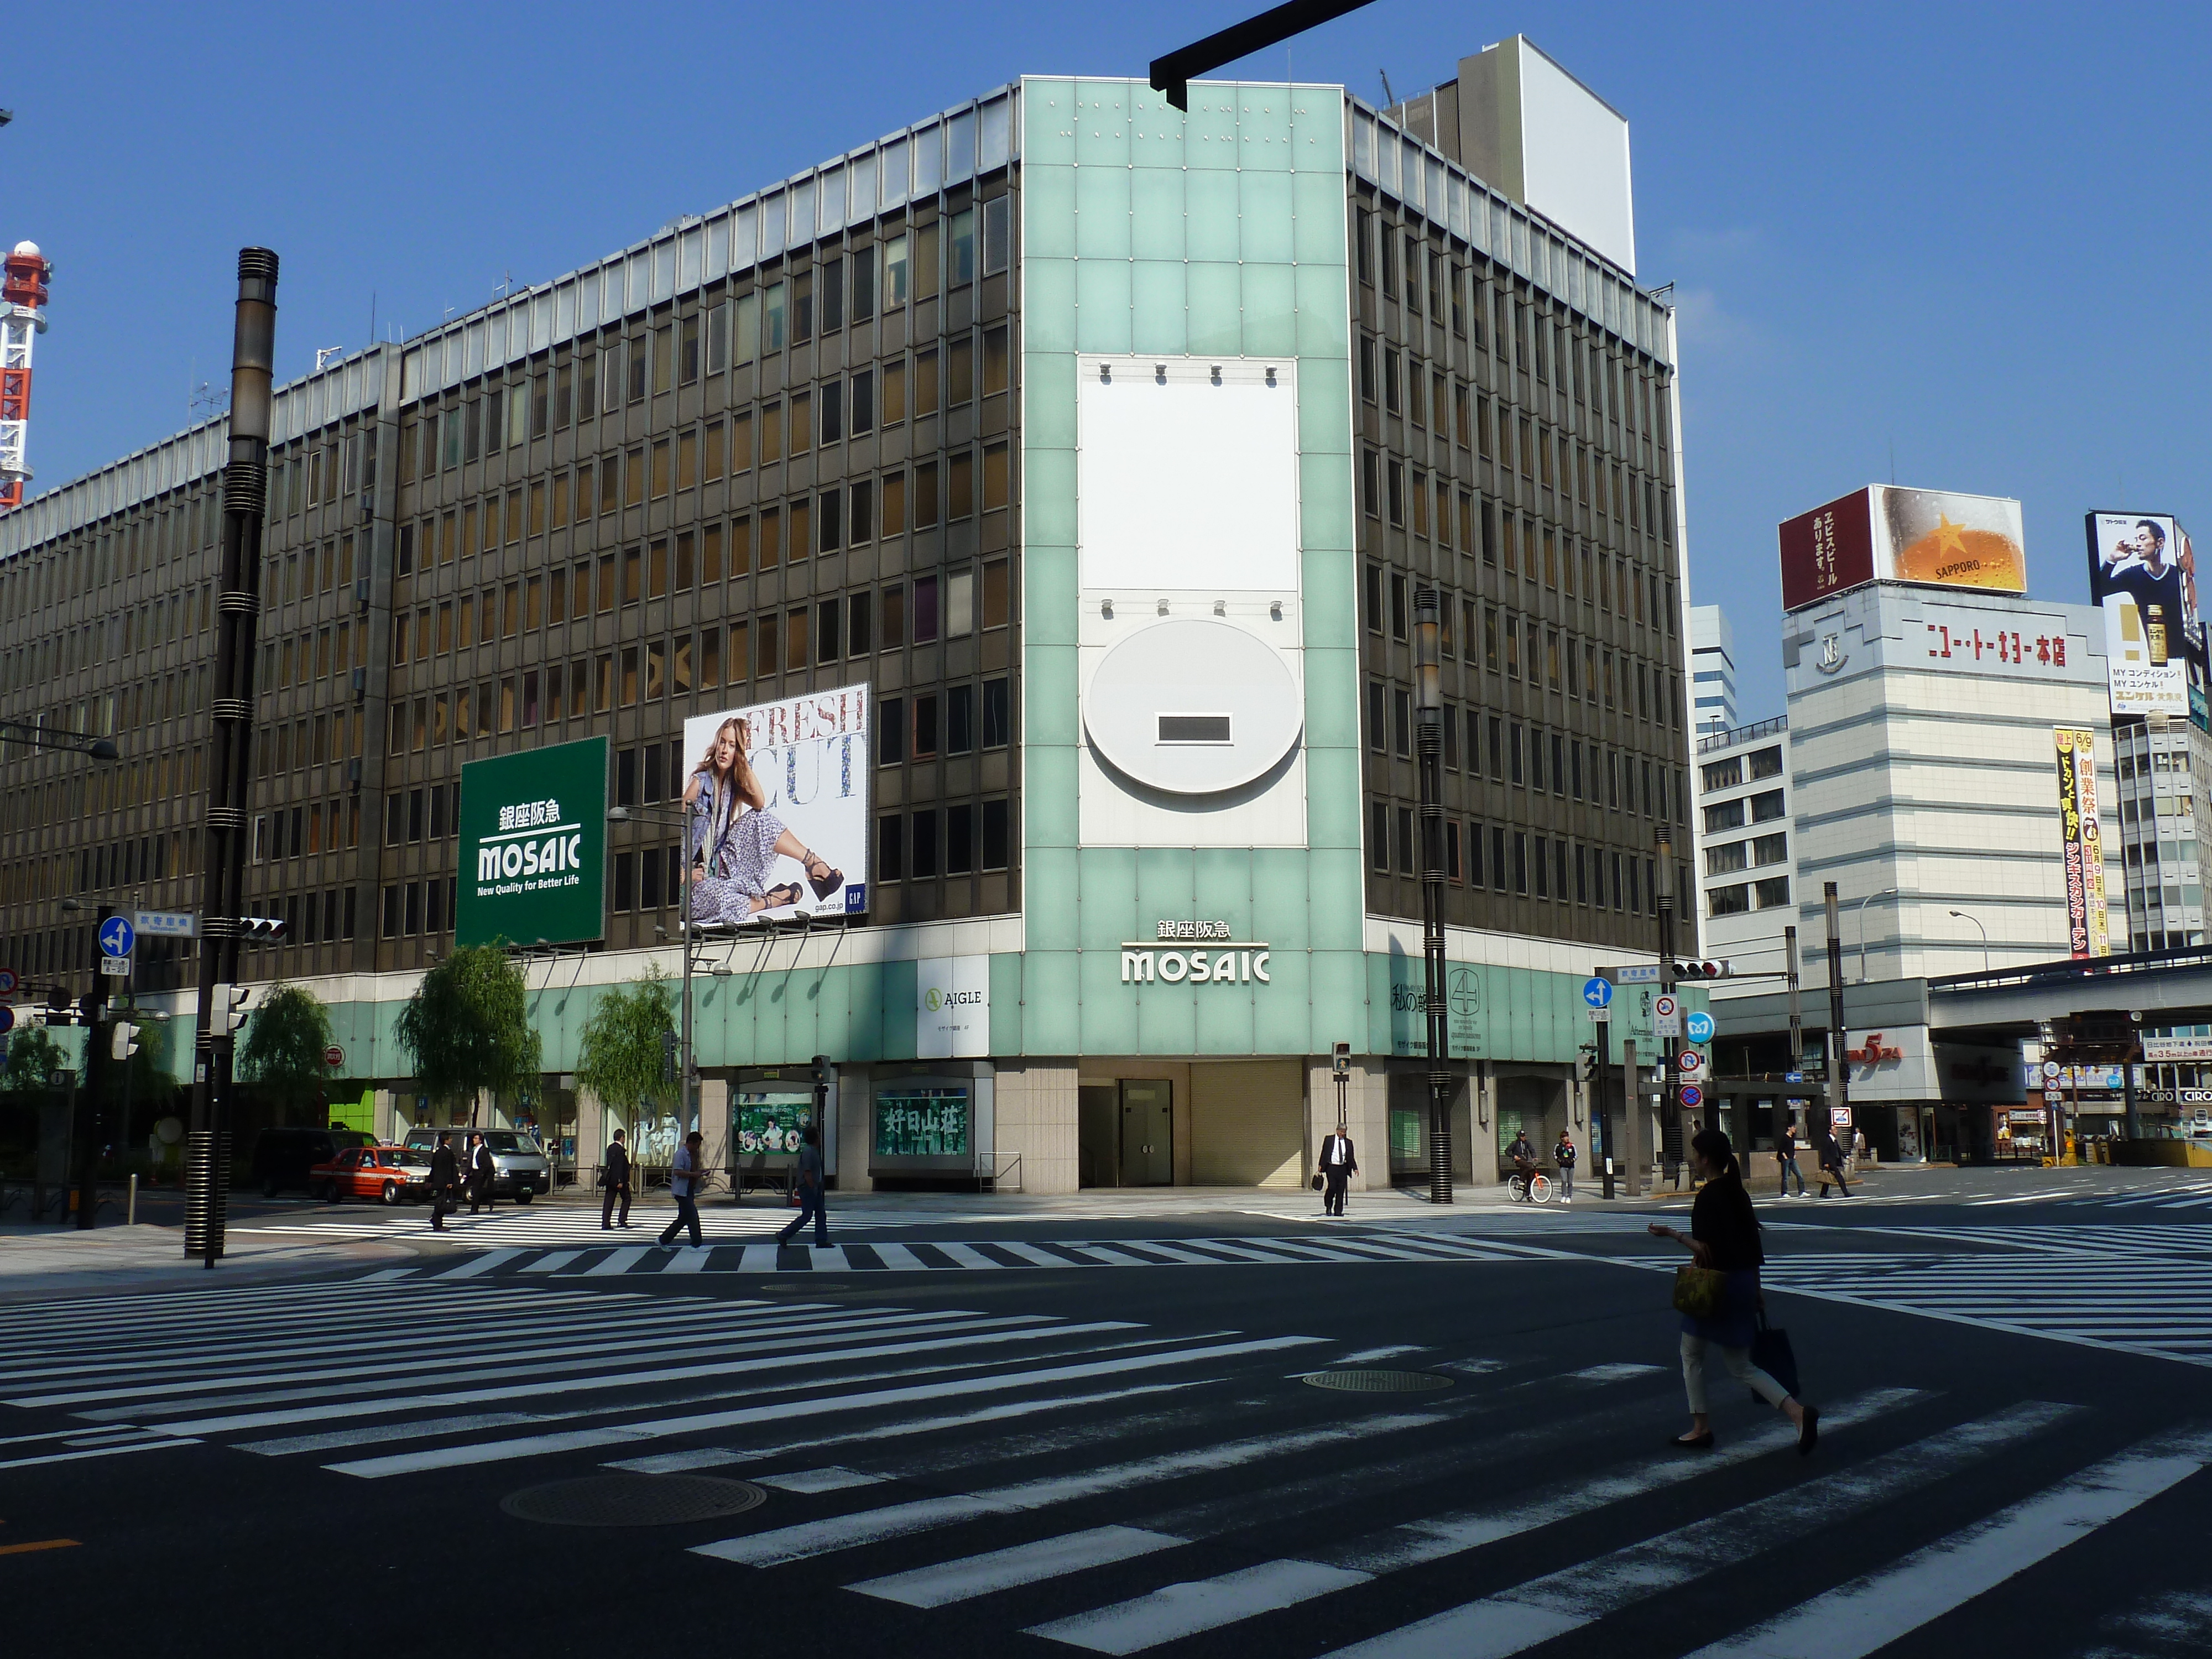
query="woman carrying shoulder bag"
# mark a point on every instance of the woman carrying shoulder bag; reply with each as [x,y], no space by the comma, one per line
[1719,1295]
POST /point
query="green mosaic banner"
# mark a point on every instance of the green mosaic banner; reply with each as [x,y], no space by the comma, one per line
[534,847]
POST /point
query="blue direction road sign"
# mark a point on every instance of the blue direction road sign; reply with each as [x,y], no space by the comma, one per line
[1692,1096]
[117,936]
[1597,993]
[1793,1077]
[1698,1027]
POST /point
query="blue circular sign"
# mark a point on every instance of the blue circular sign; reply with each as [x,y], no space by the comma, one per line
[1597,993]
[117,936]
[1698,1027]
[7,1019]
[1692,1096]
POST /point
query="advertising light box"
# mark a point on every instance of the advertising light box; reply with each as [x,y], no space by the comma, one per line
[775,805]
[533,828]
[1886,533]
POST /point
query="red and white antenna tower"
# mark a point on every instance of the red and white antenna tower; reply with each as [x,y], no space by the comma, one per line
[23,278]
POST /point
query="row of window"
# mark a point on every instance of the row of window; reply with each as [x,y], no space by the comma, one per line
[957,840]
[1530,759]
[1764,807]
[956,720]
[1730,774]
[310,828]
[1741,896]
[1726,858]
[321,918]
[1514,861]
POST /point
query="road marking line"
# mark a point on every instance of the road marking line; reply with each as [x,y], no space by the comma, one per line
[42,1544]
[1024,1564]
[485,1263]
[1180,1610]
[899,1258]
[688,1261]
[1878,1608]
[98,1451]
[820,1481]
[616,1261]
[759,1259]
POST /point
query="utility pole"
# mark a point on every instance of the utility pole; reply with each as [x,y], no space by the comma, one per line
[1797,1020]
[1602,1060]
[1670,1099]
[1633,1121]
[230,782]
[1428,681]
[1839,1040]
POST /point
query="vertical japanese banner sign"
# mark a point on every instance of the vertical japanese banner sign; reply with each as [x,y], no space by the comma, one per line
[2081,835]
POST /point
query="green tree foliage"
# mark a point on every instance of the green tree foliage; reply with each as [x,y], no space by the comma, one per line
[33,1057]
[282,1052]
[618,1055]
[467,1029]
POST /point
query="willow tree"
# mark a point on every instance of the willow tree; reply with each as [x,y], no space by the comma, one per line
[283,1052]
[33,1060]
[467,1029]
[621,1053]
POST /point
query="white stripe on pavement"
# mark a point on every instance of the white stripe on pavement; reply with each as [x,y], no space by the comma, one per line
[1181,1610]
[616,1261]
[1024,1564]
[820,1481]
[482,1264]
[1878,1607]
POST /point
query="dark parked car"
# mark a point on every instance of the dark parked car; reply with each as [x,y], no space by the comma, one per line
[283,1157]
[524,1170]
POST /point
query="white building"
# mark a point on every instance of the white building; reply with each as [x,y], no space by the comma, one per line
[2152,824]
[1746,893]
[1924,776]
[1712,669]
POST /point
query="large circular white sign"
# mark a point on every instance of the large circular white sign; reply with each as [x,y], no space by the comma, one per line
[1193,707]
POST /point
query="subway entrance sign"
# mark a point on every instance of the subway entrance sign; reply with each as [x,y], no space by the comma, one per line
[533,855]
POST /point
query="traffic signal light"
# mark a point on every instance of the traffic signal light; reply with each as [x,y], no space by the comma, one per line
[260,930]
[1685,971]
[229,1006]
[669,1048]
[1339,1059]
[125,1042]
[1589,1065]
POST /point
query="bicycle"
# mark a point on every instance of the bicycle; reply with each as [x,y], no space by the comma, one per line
[1535,1187]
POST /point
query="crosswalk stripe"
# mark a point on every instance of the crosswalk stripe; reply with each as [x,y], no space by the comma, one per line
[704,1422]
[812,1482]
[966,1255]
[812,1538]
[688,1261]
[1022,1563]
[1186,1610]
[897,1256]
[1878,1608]
[483,1264]
[616,1261]
[1537,1611]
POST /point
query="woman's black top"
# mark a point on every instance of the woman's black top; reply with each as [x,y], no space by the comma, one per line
[1722,1220]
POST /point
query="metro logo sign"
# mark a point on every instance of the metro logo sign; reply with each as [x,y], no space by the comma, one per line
[533,846]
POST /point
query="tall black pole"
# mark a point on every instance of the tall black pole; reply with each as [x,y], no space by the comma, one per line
[1603,1150]
[230,776]
[1840,1040]
[1428,681]
[1670,1047]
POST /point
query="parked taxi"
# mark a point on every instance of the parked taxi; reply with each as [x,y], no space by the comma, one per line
[385,1175]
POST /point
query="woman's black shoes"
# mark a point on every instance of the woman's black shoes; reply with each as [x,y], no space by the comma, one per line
[1693,1443]
[1808,1431]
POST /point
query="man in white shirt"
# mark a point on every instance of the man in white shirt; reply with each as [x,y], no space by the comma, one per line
[1337,1163]
[684,1183]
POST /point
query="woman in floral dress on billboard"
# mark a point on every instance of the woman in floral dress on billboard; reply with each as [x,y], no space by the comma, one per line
[734,842]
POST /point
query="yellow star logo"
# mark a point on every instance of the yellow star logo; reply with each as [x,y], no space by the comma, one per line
[1950,537]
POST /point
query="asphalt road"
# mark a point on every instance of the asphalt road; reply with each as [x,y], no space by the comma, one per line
[1093,1435]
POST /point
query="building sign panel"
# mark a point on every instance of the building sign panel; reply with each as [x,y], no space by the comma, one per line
[914,1122]
[952,1008]
[2082,842]
[775,807]
[2143,574]
[533,832]
[1886,533]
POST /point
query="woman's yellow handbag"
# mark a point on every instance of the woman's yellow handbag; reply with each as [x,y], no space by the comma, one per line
[1697,1289]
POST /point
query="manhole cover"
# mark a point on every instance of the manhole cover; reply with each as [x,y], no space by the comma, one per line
[632,1500]
[1369,1382]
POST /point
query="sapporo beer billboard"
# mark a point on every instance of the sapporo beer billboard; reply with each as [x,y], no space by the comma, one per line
[2143,574]
[776,809]
[534,847]
[2082,838]
[1887,533]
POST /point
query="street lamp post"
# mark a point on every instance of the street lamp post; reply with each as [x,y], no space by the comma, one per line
[1887,892]
[1962,916]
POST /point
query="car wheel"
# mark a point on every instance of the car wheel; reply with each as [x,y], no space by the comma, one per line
[391,1192]
[524,1195]
[269,1187]
[331,1192]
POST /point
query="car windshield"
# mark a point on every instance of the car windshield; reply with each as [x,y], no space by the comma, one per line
[502,1140]
[410,1157]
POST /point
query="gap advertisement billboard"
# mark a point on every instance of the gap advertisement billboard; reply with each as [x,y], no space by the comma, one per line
[2143,574]
[775,807]
[1886,533]
[534,847]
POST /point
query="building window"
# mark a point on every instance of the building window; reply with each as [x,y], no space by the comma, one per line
[1724,775]
[1728,901]
[1765,808]
[1378,837]
[1408,864]
[1770,849]
[1770,893]
[1726,815]
[1728,858]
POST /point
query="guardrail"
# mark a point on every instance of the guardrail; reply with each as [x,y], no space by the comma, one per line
[998,1172]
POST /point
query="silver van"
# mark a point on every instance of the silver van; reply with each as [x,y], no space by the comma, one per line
[523,1169]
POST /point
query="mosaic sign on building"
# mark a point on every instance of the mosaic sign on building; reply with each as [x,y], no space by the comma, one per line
[533,830]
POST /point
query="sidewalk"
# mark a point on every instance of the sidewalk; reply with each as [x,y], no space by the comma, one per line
[46,1263]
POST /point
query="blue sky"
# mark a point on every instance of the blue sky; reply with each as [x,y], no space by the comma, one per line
[1978,234]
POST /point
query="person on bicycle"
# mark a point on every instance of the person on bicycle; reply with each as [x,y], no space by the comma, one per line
[1524,1160]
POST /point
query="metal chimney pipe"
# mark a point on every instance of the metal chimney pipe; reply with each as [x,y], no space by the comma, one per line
[230,776]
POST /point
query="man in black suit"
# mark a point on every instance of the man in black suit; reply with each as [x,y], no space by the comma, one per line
[615,1178]
[1337,1163]
[445,1176]
[482,1168]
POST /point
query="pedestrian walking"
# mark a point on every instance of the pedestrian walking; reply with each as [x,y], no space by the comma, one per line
[1724,1241]
[1337,1163]
[1563,1155]
[810,1194]
[614,1175]
[445,1181]
[684,1180]
[483,1170]
[1832,1162]
[1785,1156]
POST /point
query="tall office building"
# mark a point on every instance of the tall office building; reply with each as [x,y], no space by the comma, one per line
[1712,669]
[1106,449]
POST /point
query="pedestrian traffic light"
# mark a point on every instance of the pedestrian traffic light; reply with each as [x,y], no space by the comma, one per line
[229,1006]
[125,1043]
[1339,1059]
[260,930]
[1690,971]
[1589,1065]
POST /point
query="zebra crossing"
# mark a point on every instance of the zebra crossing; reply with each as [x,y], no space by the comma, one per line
[1114,1486]
[990,1256]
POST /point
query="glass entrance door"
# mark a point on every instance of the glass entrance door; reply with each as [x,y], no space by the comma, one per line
[1147,1132]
